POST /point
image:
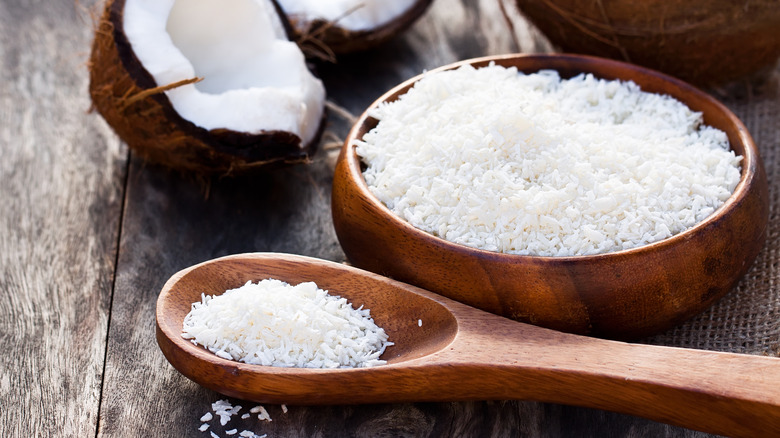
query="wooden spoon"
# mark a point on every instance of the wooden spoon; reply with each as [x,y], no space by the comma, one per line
[462,353]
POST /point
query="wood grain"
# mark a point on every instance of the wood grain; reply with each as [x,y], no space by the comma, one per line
[62,173]
[171,223]
[443,350]
[65,182]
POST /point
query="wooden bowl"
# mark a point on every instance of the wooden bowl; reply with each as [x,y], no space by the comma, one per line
[705,42]
[623,295]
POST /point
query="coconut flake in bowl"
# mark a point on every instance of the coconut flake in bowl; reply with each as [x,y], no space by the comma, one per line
[533,164]
[615,201]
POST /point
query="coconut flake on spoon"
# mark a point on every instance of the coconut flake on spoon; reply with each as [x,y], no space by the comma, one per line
[255,102]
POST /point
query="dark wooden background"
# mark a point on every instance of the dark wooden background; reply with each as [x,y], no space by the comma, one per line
[89,234]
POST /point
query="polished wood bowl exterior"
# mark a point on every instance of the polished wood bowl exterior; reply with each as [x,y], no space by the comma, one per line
[622,295]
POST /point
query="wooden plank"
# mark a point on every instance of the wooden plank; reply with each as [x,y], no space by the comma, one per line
[62,173]
[171,223]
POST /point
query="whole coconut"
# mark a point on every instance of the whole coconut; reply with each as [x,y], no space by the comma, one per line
[706,42]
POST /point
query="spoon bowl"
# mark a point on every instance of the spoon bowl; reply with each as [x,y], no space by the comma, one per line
[627,294]
[398,310]
[462,353]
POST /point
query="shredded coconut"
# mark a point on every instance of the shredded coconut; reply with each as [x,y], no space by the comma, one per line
[225,411]
[263,413]
[531,164]
[277,324]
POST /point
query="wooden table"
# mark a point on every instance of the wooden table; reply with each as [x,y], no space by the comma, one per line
[89,234]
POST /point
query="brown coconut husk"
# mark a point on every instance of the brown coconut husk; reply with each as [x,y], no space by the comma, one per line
[126,95]
[326,39]
[706,42]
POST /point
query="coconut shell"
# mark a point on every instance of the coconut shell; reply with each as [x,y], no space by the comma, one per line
[706,42]
[128,98]
[325,38]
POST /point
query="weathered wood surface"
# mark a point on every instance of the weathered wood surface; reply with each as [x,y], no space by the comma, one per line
[87,239]
[62,173]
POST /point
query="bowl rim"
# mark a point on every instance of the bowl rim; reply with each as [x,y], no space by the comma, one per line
[750,165]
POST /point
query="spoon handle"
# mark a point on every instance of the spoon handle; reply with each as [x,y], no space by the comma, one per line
[723,393]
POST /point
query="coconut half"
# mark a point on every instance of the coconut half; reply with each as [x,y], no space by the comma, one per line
[212,86]
[343,26]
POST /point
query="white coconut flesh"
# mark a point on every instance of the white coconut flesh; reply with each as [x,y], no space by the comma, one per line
[353,15]
[254,79]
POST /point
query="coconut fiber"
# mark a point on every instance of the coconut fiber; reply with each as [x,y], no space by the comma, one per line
[747,319]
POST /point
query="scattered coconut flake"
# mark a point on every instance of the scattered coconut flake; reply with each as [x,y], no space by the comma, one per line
[263,414]
[224,410]
[277,324]
[419,323]
[534,164]
[220,405]
[284,409]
